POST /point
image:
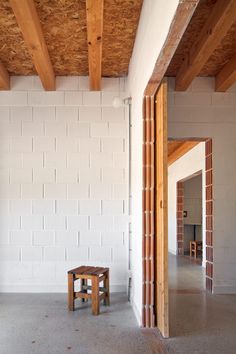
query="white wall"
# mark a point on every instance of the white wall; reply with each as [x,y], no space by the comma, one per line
[193,200]
[184,167]
[201,112]
[155,20]
[63,183]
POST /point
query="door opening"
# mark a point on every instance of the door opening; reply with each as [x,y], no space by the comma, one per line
[194,219]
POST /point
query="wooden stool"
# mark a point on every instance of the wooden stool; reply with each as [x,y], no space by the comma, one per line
[96,275]
[195,248]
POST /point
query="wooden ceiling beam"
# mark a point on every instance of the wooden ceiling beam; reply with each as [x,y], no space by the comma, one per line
[219,22]
[181,150]
[4,78]
[28,21]
[227,76]
[94,10]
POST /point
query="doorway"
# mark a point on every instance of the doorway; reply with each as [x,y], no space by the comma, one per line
[194,208]
[155,305]
[189,216]
[190,230]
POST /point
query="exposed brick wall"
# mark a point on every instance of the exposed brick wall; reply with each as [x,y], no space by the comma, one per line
[148,249]
[63,192]
[209,216]
[180,221]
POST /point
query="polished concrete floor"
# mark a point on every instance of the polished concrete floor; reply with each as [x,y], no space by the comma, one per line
[186,273]
[200,323]
[41,324]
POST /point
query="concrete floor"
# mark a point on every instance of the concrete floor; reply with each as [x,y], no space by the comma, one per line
[41,324]
[199,323]
[186,273]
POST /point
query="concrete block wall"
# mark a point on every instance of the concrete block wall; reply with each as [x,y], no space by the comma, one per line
[63,183]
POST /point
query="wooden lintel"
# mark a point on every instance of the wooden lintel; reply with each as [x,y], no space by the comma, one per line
[182,17]
[216,27]
[181,150]
[4,78]
[28,21]
[227,76]
[94,10]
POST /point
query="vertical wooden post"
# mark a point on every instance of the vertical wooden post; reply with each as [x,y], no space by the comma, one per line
[161,211]
[84,282]
[106,285]
[95,295]
[70,292]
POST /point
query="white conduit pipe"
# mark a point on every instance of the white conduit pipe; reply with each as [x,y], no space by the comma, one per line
[117,103]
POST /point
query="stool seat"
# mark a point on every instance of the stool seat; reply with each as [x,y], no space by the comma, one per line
[88,270]
[93,291]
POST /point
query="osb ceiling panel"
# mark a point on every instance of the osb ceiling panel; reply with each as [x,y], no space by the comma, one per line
[220,56]
[13,52]
[65,31]
[119,29]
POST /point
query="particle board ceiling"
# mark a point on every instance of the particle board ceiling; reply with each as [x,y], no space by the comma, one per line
[221,55]
[64,28]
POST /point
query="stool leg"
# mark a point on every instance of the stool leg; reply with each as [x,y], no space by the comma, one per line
[84,282]
[106,285]
[95,295]
[71,292]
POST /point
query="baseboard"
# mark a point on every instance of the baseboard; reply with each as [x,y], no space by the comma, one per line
[137,313]
[50,288]
[221,289]
[172,252]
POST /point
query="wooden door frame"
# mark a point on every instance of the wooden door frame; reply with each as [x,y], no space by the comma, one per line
[181,19]
[161,211]
[155,221]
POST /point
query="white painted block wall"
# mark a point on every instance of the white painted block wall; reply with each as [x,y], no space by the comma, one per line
[201,112]
[193,200]
[184,167]
[63,183]
[193,194]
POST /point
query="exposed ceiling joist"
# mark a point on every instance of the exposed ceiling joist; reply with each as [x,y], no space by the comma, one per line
[4,78]
[219,22]
[181,150]
[94,10]
[28,21]
[227,76]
